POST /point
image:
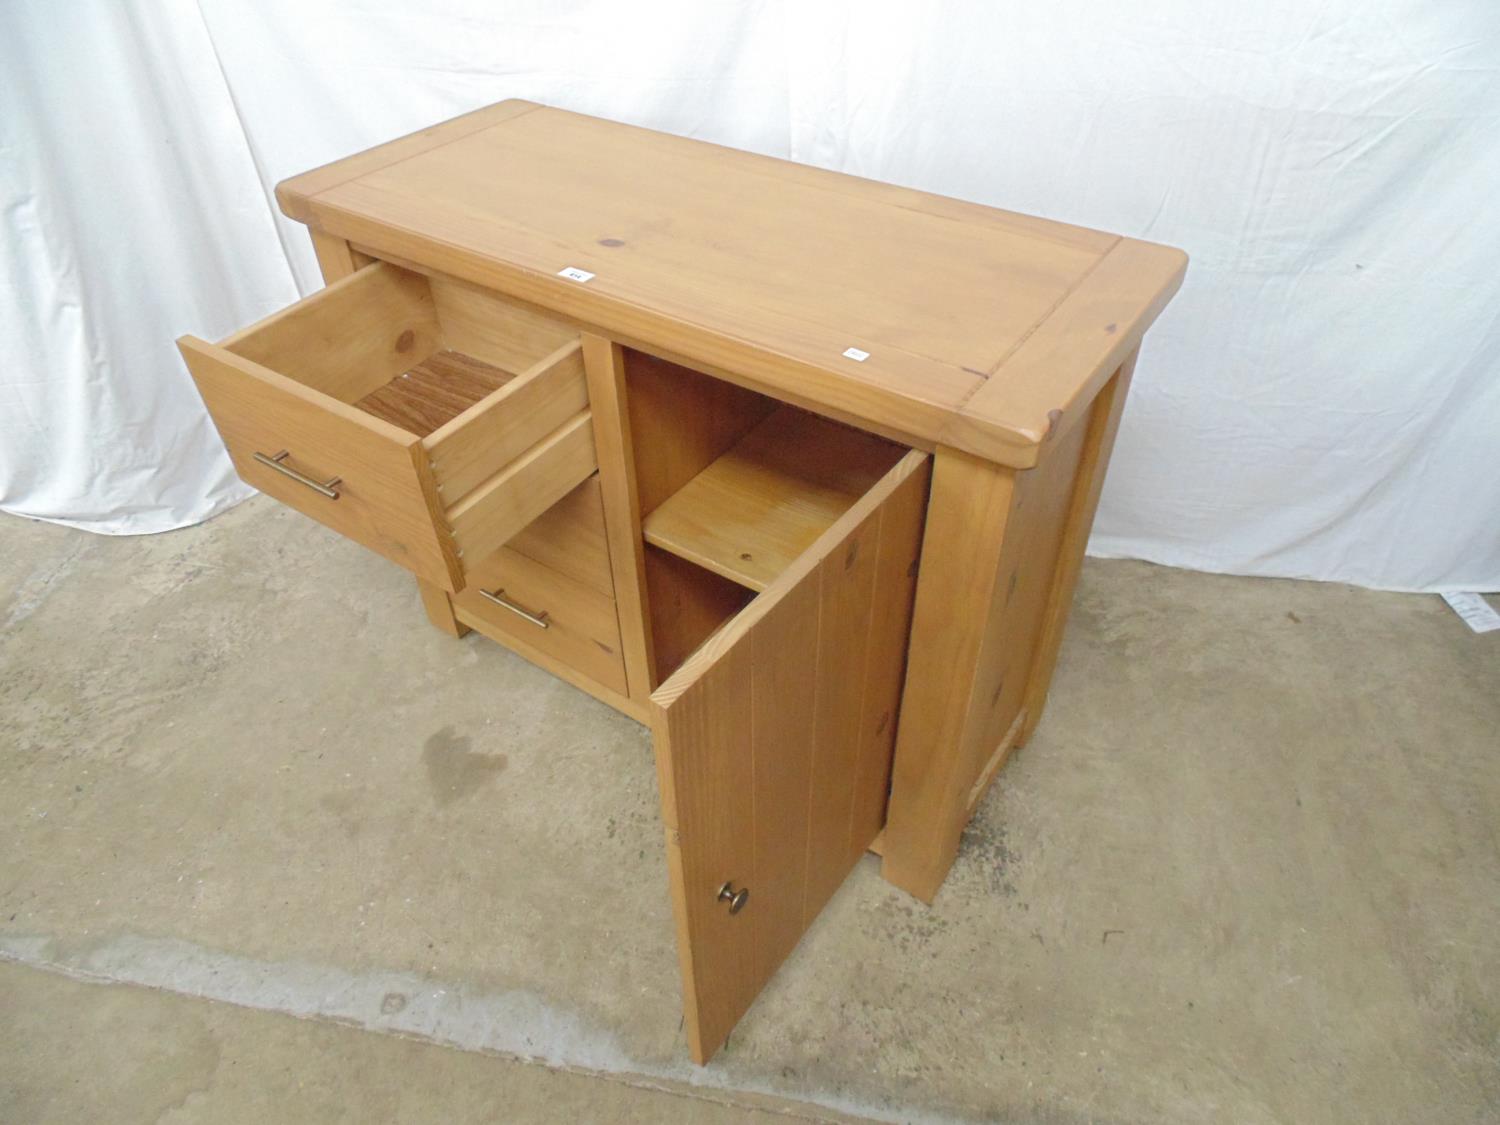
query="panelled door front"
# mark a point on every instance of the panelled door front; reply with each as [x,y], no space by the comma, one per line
[773,749]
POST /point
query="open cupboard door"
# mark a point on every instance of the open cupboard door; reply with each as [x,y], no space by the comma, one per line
[773,750]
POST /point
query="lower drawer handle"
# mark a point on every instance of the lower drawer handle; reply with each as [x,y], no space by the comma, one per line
[278,462]
[499,598]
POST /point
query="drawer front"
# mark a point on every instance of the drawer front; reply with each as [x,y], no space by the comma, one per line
[354,473]
[557,616]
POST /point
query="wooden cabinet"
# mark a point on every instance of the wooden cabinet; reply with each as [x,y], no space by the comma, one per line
[796,468]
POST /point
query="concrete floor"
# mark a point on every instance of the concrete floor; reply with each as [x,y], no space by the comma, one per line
[1248,869]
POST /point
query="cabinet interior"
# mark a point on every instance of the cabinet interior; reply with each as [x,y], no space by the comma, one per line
[733,487]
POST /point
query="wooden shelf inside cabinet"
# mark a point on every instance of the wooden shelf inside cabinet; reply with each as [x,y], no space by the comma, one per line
[752,511]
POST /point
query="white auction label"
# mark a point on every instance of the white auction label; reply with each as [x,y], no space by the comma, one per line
[1477,613]
[858,355]
[573,273]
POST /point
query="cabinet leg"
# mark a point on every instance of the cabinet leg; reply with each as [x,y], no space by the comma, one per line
[439,607]
[336,258]
[968,511]
[1000,561]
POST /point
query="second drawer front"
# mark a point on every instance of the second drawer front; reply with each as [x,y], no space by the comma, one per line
[513,595]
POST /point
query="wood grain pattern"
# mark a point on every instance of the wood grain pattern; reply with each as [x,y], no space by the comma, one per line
[525,488]
[680,421]
[582,631]
[764,501]
[988,563]
[562,670]
[767,709]
[350,338]
[1045,386]
[1088,482]
[970,506]
[570,538]
[498,451]
[705,747]
[846,606]
[614,442]
[484,324]
[809,258]
[791,828]
[1027,568]
[992,339]
[492,433]
[760,267]
[336,258]
[291,193]
[439,608]
[434,392]
[901,521]
[686,604]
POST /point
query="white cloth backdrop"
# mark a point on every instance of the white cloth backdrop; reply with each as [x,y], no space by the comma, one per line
[1322,400]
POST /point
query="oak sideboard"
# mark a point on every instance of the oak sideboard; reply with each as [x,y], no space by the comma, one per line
[796,468]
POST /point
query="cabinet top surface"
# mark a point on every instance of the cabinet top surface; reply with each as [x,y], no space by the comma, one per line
[980,328]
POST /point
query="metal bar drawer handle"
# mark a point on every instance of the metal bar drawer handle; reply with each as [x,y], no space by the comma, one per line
[499,598]
[278,462]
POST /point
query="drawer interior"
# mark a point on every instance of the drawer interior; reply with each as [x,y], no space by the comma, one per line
[417,352]
[445,417]
[734,487]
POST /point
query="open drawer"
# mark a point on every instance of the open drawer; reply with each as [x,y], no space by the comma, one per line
[774,737]
[424,418]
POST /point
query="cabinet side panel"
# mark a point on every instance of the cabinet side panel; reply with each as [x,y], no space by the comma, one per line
[999,565]
[1028,563]
[1098,444]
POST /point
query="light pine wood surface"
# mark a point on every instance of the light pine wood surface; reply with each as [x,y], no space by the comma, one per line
[770,269]
[999,561]
[570,538]
[383,491]
[499,428]
[800,471]
[434,392]
[438,454]
[758,506]
[757,736]
[614,441]
[581,628]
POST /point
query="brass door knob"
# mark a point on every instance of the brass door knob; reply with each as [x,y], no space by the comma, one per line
[735,898]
